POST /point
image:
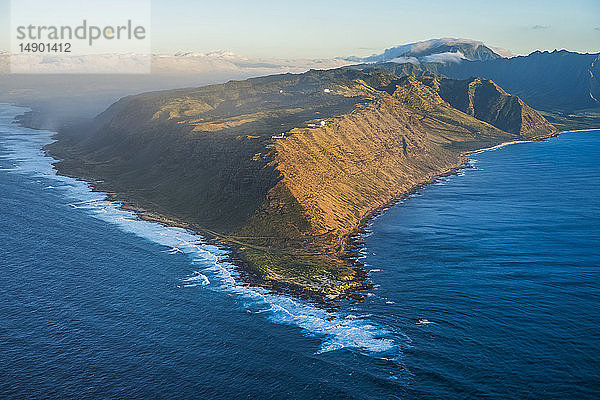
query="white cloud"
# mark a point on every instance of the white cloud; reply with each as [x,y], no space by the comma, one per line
[444,57]
[404,60]
[179,63]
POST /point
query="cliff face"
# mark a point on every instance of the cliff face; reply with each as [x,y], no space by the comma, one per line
[286,168]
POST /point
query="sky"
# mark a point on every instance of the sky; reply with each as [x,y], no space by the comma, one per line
[339,28]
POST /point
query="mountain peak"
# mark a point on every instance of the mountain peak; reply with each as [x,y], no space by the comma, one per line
[441,50]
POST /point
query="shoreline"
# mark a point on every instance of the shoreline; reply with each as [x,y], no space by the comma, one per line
[251,277]
[498,146]
[579,131]
[353,239]
[353,244]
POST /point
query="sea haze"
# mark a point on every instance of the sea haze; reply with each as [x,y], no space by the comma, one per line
[486,284]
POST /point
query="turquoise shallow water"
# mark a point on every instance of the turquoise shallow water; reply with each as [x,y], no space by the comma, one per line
[486,285]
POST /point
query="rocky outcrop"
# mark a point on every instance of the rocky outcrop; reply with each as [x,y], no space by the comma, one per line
[486,101]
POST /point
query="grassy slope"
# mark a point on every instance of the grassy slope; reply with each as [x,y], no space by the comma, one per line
[289,206]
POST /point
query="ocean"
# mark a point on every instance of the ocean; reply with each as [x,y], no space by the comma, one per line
[486,285]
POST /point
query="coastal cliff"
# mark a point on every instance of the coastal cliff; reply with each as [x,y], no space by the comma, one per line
[286,169]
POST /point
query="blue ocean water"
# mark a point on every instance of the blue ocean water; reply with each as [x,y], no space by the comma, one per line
[486,286]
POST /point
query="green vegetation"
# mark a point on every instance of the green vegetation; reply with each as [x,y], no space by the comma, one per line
[572,121]
[285,169]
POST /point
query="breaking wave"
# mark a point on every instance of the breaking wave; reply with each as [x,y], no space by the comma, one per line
[209,269]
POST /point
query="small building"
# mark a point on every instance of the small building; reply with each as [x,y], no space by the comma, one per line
[323,123]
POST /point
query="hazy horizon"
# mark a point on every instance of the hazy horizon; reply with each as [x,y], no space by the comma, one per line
[308,29]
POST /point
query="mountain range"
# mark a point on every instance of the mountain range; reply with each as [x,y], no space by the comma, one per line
[555,82]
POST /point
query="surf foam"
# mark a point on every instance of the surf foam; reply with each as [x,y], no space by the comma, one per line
[338,330]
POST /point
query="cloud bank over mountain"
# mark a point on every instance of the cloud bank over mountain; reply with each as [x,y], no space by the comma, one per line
[444,50]
[439,50]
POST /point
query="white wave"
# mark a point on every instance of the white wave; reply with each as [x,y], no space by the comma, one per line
[352,316]
[24,147]
[196,279]
[175,250]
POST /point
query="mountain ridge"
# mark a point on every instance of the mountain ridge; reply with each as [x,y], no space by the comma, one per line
[559,79]
[284,169]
